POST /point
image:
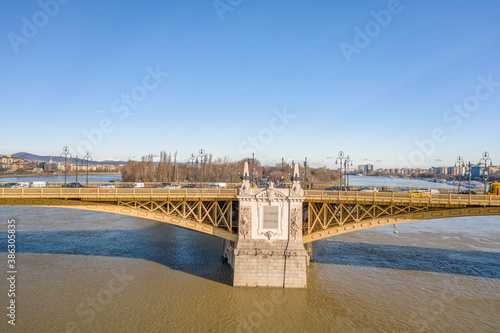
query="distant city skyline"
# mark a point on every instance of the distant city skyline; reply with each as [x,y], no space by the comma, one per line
[391,83]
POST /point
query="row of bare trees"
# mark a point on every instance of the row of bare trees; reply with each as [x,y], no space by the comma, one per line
[215,170]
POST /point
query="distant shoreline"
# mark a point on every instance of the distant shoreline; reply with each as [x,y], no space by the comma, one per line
[11,175]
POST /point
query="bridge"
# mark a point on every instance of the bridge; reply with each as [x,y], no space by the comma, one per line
[268,233]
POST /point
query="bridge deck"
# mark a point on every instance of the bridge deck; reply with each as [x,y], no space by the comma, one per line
[208,194]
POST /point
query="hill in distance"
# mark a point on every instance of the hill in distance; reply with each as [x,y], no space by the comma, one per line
[55,159]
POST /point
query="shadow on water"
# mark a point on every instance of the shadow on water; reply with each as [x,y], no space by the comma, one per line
[474,263]
[199,254]
[179,249]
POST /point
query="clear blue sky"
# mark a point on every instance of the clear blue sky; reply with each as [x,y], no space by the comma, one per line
[374,89]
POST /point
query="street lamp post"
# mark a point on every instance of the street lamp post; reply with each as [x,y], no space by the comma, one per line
[486,158]
[66,155]
[340,161]
[283,170]
[76,160]
[347,163]
[305,173]
[88,158]
[202,157]
[253,170]
[191,160]
[470,174]
[460,162]
[196,165]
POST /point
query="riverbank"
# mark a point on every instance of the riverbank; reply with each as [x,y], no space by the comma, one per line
[69,174]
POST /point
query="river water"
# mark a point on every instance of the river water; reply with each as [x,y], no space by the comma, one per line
[84,271]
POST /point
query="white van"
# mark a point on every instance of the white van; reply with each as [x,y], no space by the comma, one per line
[38,184]
[218,185]
[138,184]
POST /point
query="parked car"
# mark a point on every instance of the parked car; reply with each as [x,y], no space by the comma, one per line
[175,186]
[368,189]
[423,192]
[467,192]
[73,185]
[337,188]
[107,186]
[219,185]
[332,188]
[38,184]
[162,185]
[189,186]
[11,185]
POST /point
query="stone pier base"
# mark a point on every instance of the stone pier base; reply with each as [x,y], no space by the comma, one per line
[262,263]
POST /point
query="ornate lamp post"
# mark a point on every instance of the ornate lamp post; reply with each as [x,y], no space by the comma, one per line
[191,160]
[66,154]
[305,173]
[347,163]
[283,170]
[202,158]
[340,161]
[76,160]
[485,159]
[460,163]
[88,158]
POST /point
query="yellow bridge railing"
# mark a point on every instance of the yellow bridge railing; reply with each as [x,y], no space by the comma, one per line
[356,196]
[112,193]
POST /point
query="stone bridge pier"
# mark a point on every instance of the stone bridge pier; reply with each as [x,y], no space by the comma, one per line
[270,251]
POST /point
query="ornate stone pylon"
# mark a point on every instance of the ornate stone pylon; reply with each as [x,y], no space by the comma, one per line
[269,252]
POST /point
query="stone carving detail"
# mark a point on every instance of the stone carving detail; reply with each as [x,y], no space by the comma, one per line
[245,188]
[296,189]
[295,223]
[269,234]
[244,225]
[270,193]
